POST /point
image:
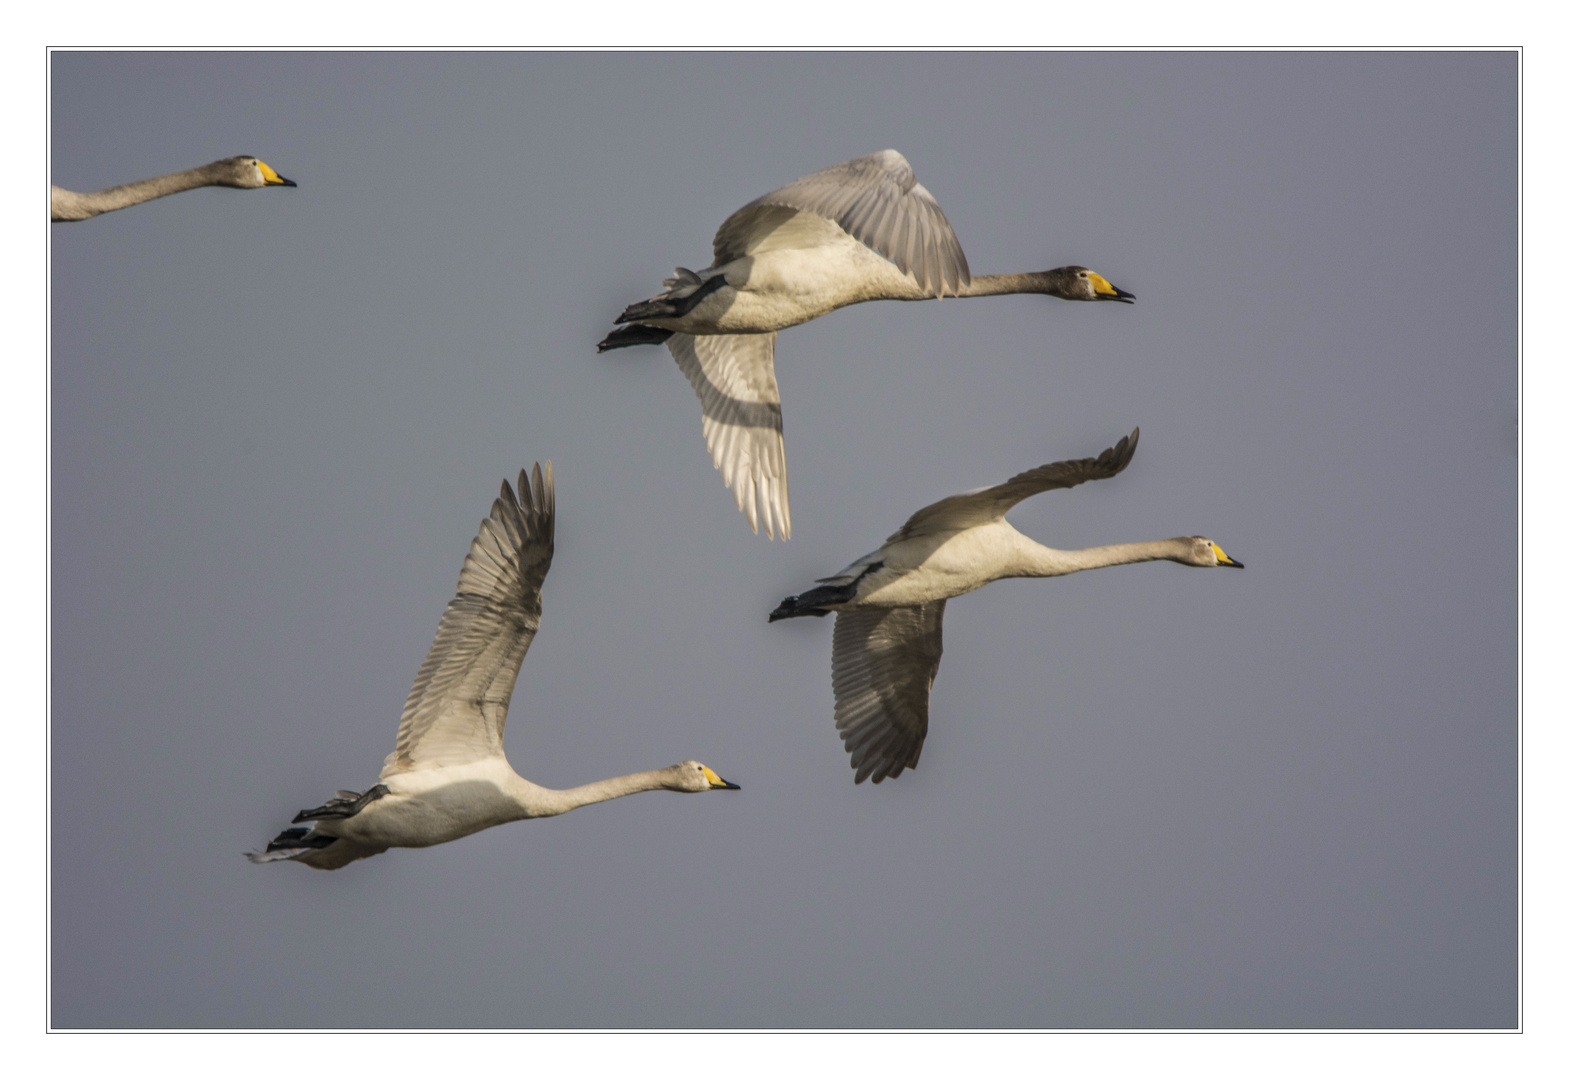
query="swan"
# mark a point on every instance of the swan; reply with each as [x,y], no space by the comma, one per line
[448,775]
[860,230]
[888,634]
[237,172]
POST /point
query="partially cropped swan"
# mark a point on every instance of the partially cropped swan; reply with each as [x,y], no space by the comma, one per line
[888,636]
[448,775]
[861,230]
[236,172]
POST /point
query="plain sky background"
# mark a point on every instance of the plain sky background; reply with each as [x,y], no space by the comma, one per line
[1151,796]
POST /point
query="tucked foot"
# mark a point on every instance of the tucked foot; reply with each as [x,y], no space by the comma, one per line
[345,805]
[811,601]
[636,334]
[668,307]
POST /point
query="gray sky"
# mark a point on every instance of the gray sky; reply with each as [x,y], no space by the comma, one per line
[1151,796]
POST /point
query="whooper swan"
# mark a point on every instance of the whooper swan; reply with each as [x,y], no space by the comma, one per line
[448,776]
[237,172]
[861,230]
[888,636]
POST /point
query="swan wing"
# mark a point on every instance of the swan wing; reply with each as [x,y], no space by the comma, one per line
[457,710]
[988,504]
[884,662]
[876,200]
[733,375]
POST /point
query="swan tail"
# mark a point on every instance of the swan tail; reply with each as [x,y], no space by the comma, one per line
[344,805]
[313,849]
[636,334]
[292,844]
[260,857]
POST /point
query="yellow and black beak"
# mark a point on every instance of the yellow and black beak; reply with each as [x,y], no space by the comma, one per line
[271,177]
[717,782]
[1105,290]
[1222,559]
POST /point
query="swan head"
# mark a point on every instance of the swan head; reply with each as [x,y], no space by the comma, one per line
[1082,283]
[695,776]
[1202,551]
[246,171]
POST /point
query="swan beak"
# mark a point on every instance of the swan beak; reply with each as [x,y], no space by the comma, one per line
[1222,559]
[270,177]
[717,782]
[1105,290]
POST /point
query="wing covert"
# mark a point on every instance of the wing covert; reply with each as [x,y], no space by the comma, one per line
[987,504]
[457,709]
[875,199]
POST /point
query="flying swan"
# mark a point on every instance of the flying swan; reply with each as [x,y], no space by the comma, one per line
[861,230]
[448,776]
[888,634]
[236,172]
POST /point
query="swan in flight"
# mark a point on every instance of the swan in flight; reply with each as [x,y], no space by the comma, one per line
[888,634]
[448,775]
[237,172]
[861,230]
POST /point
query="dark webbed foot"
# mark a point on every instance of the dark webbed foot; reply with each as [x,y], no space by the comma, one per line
[792,608]
[636,334]
[812,601]
[346,805]
[665,307]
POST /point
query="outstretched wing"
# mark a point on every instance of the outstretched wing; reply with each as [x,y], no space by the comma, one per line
[876,200]
[733,375]
[987,504]
[884,662]
[457,711]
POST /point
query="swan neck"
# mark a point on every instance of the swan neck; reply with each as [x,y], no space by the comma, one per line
[1037,560]
[93,203]
[1009,284]
[548,802]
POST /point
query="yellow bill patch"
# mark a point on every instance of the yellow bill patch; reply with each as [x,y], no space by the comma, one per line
[713,777]
[268,174]
[1102,286]
[1221,556]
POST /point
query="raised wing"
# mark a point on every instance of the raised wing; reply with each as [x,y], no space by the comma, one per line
[876,200]
[733,375]
[988,504]
[457,711]
[884,662]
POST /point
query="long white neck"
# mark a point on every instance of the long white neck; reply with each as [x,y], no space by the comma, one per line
[1048,281]
[77,206]
[545,802]
[1038,560]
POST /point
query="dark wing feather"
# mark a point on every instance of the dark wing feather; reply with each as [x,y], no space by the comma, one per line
[884,662]
[987,504]
[457,710]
